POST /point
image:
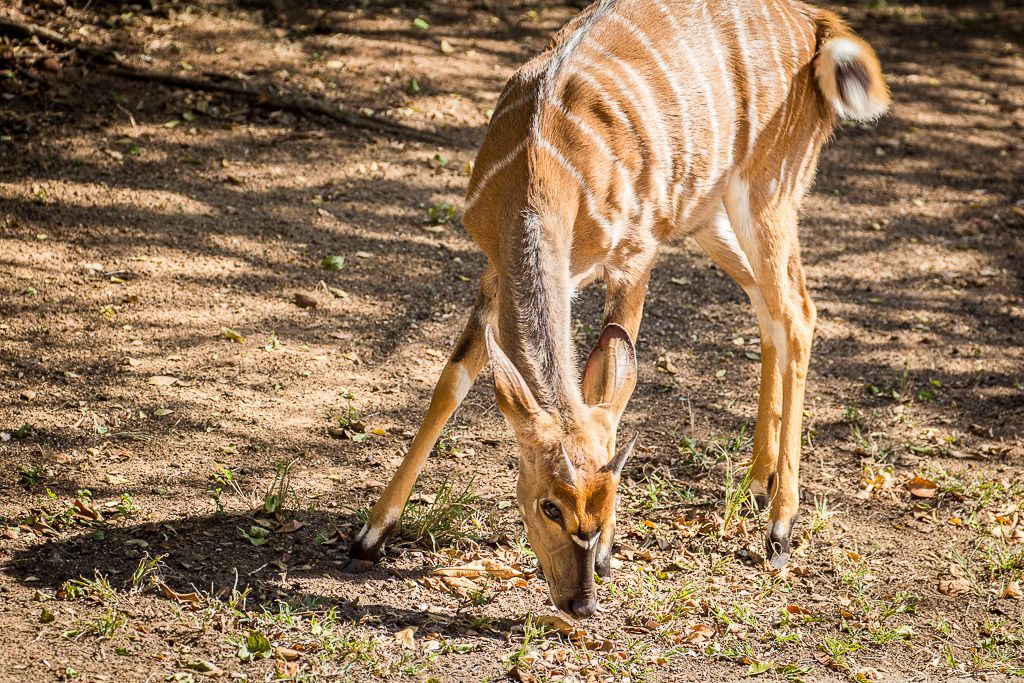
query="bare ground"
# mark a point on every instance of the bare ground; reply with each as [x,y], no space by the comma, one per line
[137,222]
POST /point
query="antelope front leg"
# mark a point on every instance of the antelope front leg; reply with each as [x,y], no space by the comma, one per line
[624,305]
[456,380]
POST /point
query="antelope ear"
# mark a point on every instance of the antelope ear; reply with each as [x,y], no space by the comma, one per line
[610,374]
[515,399]
[615,465]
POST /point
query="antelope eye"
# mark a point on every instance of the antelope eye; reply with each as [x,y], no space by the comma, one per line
[551,511]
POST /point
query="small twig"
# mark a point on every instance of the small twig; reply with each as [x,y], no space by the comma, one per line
[293,103]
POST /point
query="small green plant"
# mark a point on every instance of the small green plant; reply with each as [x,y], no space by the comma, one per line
[104,627]
[440,214]
[97,589]
[273,343]
[837,649]
[822,514]
[531,632]
[146,571]
[254,646]
[280,489]
[126,507]
[28,476]
[221,481]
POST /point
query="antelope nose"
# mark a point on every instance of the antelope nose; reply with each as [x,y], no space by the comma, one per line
[583,606]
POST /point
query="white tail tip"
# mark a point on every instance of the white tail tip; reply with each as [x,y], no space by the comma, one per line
[850,77]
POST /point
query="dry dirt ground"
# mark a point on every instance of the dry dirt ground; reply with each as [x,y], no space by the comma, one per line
[146,536]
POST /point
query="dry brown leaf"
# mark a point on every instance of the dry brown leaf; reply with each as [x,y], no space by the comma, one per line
[287,653]
[698,633]
[162,380]
[955,586]
[303,300]
[481,568]
[1012,591]
[460,582]
[555,623]
[290,526]
[920,487]
[405,637]
[184,598]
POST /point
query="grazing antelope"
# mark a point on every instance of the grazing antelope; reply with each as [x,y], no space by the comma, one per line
[643,122]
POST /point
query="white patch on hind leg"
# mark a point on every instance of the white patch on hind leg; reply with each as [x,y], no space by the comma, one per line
[737,201]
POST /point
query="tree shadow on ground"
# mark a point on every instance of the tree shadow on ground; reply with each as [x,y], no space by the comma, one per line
[208,556]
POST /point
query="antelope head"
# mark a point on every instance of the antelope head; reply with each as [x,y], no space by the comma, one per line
[569,467]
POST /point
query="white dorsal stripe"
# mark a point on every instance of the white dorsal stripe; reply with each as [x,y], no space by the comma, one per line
[493,170]
[684,107]
[599,142]
[581,180]
[741,38]
[662,149]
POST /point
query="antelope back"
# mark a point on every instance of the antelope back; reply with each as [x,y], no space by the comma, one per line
[640,110]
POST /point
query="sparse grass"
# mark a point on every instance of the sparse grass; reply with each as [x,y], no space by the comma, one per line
[97,588]
[448,517]
[735,496]
[822,515]
[704,456]
[104,627]
[146,571]
[657,491]
[1004,560]
[222,480]
[280,489]
[649,597]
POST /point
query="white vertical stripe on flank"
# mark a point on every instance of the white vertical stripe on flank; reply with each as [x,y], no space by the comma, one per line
[741,38]
[588,195]
[489,174]
[606,99]
[684,107]
[770,30]
[599,142]
[803,24]
[730,90]
[794,53]
[660,143]
[709,97]
[501,109]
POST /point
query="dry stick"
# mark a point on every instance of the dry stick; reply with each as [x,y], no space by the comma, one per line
[266,100]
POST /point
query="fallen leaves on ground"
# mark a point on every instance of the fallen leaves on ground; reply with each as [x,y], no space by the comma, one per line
[920,487]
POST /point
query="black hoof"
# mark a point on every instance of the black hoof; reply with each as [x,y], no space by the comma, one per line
[354,566]
[359,550]
[779,544]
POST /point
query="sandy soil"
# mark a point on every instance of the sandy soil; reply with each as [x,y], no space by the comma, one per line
[138,221]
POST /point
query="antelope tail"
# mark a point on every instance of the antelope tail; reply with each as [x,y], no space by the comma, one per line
[848,73]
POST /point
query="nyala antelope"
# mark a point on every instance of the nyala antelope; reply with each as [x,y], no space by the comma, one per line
[643,121]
